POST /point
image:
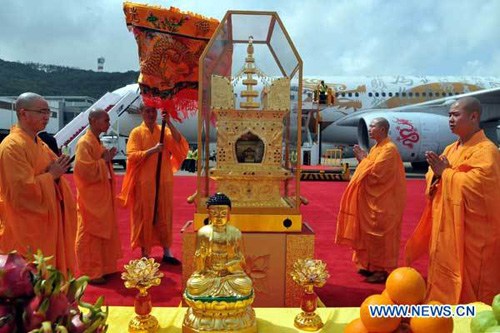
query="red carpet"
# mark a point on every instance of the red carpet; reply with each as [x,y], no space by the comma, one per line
[344,288]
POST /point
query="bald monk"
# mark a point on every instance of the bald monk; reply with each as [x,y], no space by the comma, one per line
[371,208]
[98,245]
[138,191]
[460,225]
[39,211]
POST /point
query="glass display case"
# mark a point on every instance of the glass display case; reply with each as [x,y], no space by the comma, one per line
[249,128]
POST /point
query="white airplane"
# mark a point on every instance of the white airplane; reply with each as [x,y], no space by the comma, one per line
[416,108]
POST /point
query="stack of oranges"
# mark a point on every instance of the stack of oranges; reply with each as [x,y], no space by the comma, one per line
[404,286]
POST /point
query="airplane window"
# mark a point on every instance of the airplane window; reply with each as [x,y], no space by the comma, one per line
[370,94]
[403,94]
[376,94]
[443,94]
[410,94]
[397,94]
[343,94]
[356,94]
[457,93]
[336,94]
[383,94]
[417,94]
[390,94]
[450,94]
[424,94]
[350,94]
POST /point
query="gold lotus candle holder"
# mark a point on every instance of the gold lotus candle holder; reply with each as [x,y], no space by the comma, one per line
[142,274]
[309,273]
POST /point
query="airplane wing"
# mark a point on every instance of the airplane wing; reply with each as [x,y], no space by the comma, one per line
[489,98]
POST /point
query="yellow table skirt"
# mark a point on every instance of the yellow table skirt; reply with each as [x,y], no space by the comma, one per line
[268,319]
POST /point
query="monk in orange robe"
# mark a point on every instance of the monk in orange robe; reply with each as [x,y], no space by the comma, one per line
[98,245]
[138,191]
[460,226]
[39,210]
[371,208]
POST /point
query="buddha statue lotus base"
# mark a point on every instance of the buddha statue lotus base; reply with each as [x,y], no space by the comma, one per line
[224,314]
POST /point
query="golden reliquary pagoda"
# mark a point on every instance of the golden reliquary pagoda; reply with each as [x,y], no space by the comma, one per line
[249,138]
[254,122]
[249,141]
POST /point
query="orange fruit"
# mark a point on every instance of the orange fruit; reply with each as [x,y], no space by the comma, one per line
[434,303]
[386,294]
[403,328]
[431,325]
[355,326]
[405,285]
[374,324]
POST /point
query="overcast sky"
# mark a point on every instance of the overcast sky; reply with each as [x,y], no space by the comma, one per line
[337,37]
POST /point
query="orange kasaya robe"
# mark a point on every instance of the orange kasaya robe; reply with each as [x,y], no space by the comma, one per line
[38,212]
[371,209]
[460,226]
[138,190]
[98,245]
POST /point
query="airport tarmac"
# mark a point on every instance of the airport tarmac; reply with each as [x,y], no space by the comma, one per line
[410,172]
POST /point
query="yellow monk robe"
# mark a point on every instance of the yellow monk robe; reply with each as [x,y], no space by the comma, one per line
[371,209]
[460,226]
[38,212]
[138,189]
[98,245]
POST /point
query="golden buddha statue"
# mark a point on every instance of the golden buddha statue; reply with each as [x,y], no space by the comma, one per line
[219,292]
[218,258]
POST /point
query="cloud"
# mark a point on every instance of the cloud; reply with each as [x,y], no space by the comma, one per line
[343,37]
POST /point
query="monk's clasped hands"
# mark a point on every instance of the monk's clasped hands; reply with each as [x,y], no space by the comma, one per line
[436,162]
[108,154]
[59,166]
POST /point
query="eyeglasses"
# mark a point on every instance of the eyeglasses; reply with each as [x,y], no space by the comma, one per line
[45,112]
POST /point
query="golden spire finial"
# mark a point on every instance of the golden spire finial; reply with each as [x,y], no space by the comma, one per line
[250,46]
[249,70]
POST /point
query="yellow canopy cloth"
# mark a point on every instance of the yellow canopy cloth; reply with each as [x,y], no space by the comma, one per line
[170,43]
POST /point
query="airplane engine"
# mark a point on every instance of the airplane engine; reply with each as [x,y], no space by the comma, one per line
[414,133]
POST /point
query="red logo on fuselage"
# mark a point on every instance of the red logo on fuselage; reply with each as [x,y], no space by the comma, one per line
[408,134]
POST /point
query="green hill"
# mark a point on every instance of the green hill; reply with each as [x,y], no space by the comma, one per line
[51,80]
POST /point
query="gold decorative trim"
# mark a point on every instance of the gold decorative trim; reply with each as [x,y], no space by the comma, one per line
[278,97]
[222,93]
[188,250]
[258,222]
[299,246]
